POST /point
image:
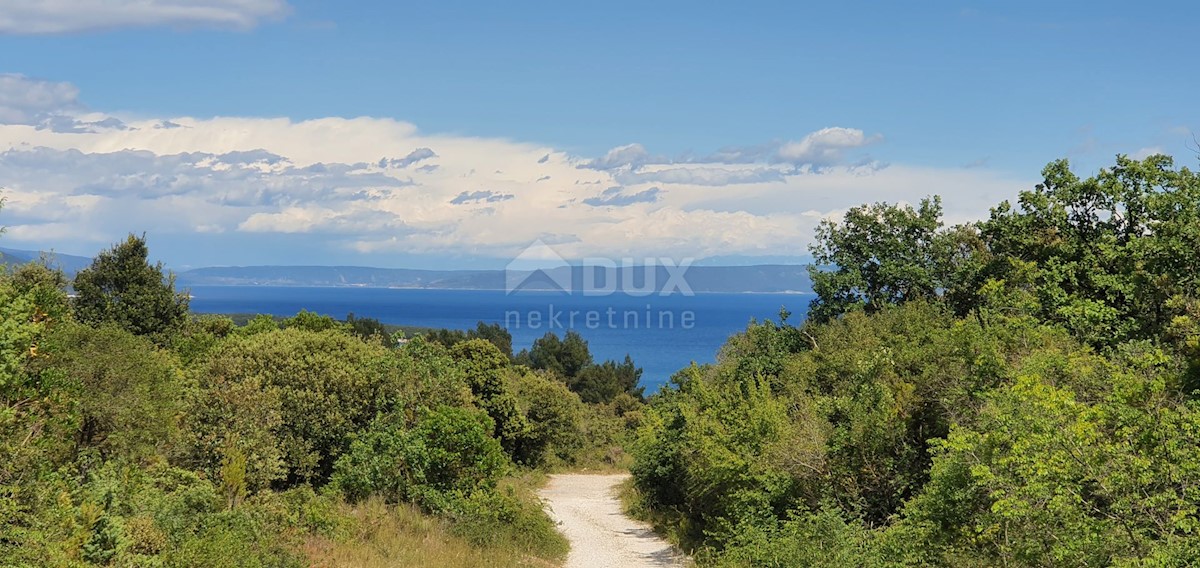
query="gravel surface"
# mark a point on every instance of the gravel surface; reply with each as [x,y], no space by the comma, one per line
[589,514]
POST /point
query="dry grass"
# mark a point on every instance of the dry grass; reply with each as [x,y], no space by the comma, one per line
[381,536]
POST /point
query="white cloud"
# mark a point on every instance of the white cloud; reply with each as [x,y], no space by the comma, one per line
[628,156]
[29,101]
[704,175]
[825,147]
[615,197]
[379,186]
[65,16]
[1143,153]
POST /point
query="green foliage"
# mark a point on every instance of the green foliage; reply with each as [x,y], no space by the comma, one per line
[554,418]
[486,369]
[842,544]
[260,323]
[570,359]
[447,456]
[878,255]
[233,475]
[329,385]
[606,381]
[200,336]
[310,321]
[199,443]
[1114,479]
[566,357]
[123,288]
[1018,392]
[509,517]
[493,333]
[1113,257]
[129,392]
[227,415]
[369,329]
[1110,258]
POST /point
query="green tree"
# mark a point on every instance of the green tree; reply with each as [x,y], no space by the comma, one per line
[1114,479]
[329,385]
[227,415]
[446,337]
[448,456]
[566,357]
[123,288]
[128,391]
[369,329]
[36,407]
[878,255]
[486,369]
[311,321]
[495,334]
[260,323]
[1111,257]
[603,382]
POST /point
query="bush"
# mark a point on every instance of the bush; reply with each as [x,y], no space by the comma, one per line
[510,518]
[449,455]
[328,384]
[128,391]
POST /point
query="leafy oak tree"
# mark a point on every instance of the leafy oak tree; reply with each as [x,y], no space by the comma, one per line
[879,254]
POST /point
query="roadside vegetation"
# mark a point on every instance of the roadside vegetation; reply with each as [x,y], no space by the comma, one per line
[134,433]
[1020,391]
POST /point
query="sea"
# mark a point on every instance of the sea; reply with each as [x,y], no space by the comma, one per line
[662,334]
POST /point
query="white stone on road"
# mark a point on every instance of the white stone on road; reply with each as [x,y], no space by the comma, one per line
[589,514]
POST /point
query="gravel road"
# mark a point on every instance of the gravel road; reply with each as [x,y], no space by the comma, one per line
[589,514]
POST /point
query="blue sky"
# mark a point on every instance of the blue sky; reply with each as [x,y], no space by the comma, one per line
[821,107]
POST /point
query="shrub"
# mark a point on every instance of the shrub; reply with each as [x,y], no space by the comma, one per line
[449,455]
[328,384]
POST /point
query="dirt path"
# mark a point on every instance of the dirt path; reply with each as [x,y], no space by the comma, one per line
[588,512]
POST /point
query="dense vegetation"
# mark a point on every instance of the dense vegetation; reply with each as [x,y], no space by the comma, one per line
[135,434]
[1020,391]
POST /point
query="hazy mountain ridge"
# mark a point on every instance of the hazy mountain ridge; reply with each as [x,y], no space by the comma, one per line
[69,264]
[728,279]
[762,279]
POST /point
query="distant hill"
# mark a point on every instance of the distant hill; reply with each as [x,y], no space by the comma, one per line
[768,278]
[764,278]
[70,264]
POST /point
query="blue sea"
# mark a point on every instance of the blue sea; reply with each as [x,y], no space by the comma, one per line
[661,333]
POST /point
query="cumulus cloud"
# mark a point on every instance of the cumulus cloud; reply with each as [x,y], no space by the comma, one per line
[616,197]
[1143,153]
[825,147]
[65,16]
[410,159]
[24,100]
[817,150]
[628,156]
[307,219]
[702,175]
[480,197]
[322,181]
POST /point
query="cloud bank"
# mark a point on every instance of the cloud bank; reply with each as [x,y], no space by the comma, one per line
[368,189]
[65,16]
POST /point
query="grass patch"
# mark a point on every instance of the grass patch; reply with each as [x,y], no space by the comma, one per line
[513,519]
[374,534]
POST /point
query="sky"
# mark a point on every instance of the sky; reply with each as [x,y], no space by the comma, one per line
[455,134]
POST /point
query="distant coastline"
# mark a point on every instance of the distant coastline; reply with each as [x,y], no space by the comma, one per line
[782,279]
